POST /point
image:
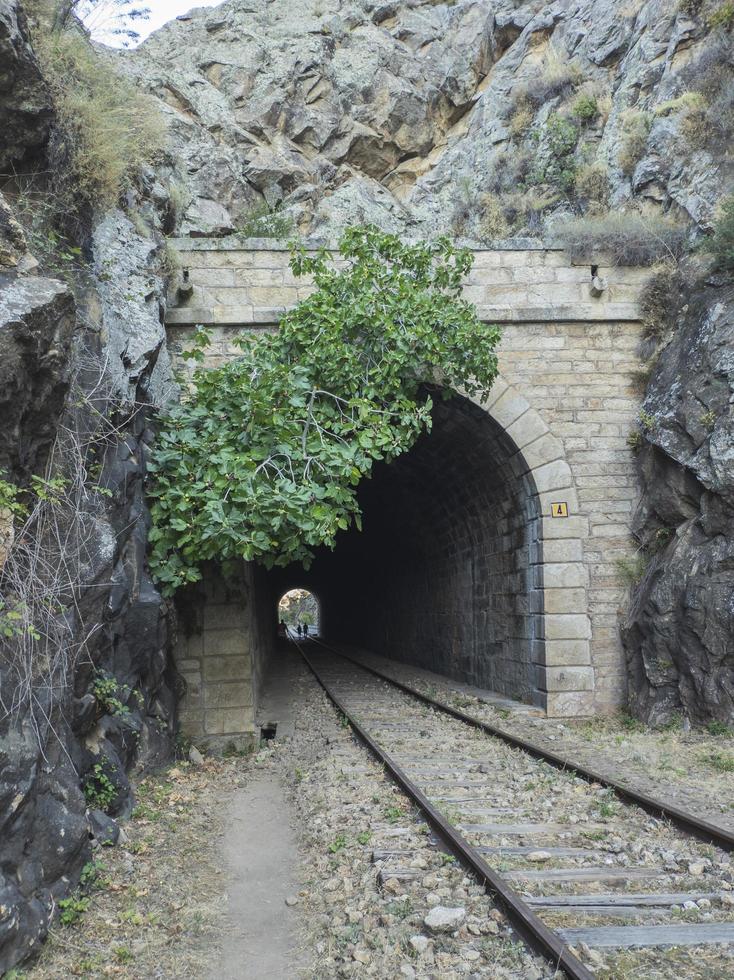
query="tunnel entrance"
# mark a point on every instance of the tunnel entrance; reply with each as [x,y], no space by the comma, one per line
[299,607]
[446,573]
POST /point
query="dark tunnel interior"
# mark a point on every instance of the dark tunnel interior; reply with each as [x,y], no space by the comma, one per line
[446,571]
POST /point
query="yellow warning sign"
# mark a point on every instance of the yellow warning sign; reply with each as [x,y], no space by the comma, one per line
[559,509]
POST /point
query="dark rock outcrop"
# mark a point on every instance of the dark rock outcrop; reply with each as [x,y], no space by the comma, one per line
[45,830]
[679,633]
[37,321]
[25,105]
[72,354]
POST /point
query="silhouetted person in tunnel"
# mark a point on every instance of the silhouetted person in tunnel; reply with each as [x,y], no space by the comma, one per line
[305,629]
[299,629]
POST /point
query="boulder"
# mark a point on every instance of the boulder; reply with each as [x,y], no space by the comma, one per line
[442,919]
[102,828]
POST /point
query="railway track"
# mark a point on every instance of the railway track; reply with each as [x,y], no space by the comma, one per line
[560,848]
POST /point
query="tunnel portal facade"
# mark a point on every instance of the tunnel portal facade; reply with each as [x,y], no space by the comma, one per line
[490,550]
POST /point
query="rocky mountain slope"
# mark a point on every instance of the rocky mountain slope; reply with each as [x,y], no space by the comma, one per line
[426,116]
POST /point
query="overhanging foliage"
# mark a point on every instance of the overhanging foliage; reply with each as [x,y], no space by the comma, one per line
[263,457]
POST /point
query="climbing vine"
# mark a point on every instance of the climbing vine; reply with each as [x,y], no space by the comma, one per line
[263,457]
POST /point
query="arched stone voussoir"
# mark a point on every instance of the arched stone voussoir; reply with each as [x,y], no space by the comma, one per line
[563,674]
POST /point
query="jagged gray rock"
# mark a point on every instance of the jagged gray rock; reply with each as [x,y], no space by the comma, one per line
[351,110]
[679,633]
[131,296]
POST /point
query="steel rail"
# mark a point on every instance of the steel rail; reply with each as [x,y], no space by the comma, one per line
[526,923]
[702,829]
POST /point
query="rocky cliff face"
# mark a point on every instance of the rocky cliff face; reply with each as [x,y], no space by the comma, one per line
[25,106]
[418,115]
[105,697]
[680,629]
[81,363]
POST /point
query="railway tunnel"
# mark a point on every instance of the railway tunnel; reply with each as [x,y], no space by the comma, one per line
[490,551]
[446,573]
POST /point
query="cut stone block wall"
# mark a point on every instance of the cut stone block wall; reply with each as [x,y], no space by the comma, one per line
[214,655]
[567,397]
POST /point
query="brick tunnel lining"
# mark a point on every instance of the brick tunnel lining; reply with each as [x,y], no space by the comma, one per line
[446,572]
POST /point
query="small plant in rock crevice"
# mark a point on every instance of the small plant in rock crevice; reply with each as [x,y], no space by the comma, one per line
[521,119]
[635,440]
[493,224]
[641,376]
[632,570]
[591,183]
[648,422]
[99,790]
[108,694]
[661,538]
[560,139]
[708,420]
[635,129]
[585,107]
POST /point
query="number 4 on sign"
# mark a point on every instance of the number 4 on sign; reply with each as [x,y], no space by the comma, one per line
[559,509]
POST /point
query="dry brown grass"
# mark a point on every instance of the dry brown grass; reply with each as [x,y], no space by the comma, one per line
[521,119]
[627,238]
[635,129]
[492,224]
[591,183]
[106,129]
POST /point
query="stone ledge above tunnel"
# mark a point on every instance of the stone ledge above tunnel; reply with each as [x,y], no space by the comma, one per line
[231,284]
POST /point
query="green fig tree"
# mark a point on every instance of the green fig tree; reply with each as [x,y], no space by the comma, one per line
[262,458]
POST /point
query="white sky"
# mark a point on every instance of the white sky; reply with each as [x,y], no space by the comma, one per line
[98,17]
[162,11]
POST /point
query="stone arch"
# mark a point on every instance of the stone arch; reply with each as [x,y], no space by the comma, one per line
[564,675]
